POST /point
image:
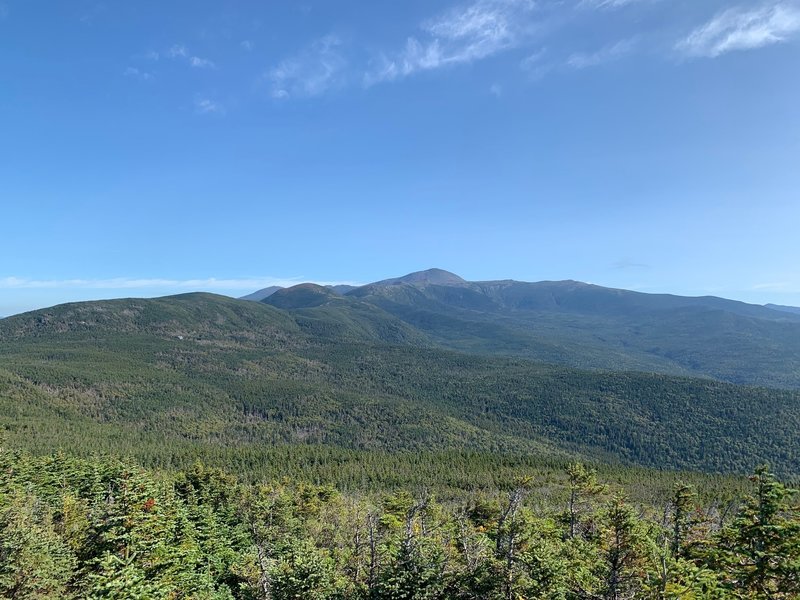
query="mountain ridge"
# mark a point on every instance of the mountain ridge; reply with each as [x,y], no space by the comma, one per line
[183,375]
[784,308]
[442,277]
[589,326]
[567,322]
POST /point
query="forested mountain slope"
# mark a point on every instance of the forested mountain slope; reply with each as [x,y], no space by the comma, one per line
[177,377]
[581,325]
[789,309]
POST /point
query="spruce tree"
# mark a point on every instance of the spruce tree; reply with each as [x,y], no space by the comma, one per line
[759,554]
[34,561]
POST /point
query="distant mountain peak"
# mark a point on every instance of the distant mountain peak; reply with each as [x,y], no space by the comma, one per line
[782,308]
[431,276]
[303,295]
[309,286]
[261,294]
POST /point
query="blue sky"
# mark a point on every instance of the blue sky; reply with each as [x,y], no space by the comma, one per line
[149,148]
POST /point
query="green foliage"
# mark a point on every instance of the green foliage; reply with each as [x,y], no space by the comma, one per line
[303,572]
[587,326]
[241,385]
[624,551]
[759,553]
[369,471]
[101,529]
[35,562]
[115,578]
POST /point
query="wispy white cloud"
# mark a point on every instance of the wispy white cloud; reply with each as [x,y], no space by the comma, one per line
[610,53]
[463,34]
[178,51]
[535,66]
[181,52]
[246,45]
[415,57]
[776,286]
[609,4]
[318,69]
[205,106]
[125,283]
[627,263]
[478,30]
[201,63]
[533,60]
[3,10]
[135,73]
[743,29]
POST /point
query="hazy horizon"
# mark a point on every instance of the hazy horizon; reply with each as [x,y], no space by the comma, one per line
[84,290]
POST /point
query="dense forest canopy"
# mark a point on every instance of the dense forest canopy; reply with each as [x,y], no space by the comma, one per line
[105,529]
[567,322]
[202,447]
[200,375]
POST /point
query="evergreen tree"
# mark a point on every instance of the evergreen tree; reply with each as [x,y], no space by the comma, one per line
[303,573]
[624,552]
[759,554]
[118,578]
[415,562]
[269,514]
[682,514]
[35,563]
[584,491]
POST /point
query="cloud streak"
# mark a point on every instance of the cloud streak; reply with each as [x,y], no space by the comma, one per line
[178,51]
[461,35]
[626,263]
[608,4]
[474,30]
[581,60]
[135,73]
[124,283]
[319,68]
[741,29]
[181,52]
[201,63]
[205,106]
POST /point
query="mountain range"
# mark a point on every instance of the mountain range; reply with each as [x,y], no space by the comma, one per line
[423,363]
[564,322]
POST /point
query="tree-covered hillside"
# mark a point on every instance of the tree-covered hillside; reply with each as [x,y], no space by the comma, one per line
[198,375]
[575,324]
